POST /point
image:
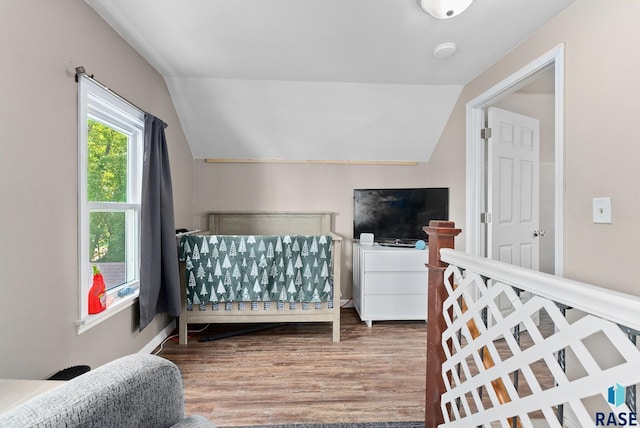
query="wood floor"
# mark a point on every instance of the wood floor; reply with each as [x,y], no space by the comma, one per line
[294,373]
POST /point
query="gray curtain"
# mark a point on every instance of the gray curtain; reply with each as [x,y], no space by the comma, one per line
[159,278]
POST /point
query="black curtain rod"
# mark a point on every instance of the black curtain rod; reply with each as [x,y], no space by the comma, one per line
[80,71]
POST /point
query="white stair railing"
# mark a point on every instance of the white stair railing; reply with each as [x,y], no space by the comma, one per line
[564,356]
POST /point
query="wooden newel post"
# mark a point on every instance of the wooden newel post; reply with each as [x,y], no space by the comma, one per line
[441,235]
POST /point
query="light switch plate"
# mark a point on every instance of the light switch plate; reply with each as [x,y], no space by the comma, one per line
[602,210]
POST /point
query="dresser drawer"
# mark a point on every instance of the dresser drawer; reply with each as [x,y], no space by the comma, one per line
[396,261]
[392,284]
[394,307]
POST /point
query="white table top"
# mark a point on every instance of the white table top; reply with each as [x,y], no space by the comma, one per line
[16,391]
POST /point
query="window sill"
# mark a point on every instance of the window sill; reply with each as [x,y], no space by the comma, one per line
[115,304]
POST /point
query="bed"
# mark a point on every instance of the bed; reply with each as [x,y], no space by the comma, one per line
[261,267]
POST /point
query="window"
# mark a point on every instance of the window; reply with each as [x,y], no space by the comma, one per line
[110,171]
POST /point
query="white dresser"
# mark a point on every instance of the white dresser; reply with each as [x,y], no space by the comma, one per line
[389,283]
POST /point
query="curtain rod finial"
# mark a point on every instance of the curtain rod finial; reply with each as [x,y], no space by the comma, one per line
[80,71]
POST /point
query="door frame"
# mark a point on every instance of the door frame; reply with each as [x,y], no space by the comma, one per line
[476,159]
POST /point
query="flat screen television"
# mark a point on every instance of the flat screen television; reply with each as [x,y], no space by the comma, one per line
[398,215]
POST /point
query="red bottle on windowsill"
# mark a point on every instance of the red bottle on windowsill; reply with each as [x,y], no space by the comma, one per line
[97,293]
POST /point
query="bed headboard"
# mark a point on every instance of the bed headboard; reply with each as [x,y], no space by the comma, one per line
[270,223]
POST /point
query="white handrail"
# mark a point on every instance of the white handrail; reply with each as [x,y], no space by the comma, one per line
[597,380]
[618,307]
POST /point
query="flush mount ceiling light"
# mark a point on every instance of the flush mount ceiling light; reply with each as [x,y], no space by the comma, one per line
[444,9]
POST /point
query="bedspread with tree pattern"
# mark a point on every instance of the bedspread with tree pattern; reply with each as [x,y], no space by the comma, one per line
[256,268]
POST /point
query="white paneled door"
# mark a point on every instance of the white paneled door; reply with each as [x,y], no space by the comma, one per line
[513,188]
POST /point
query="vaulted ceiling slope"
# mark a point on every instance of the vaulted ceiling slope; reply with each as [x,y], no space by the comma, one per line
[317,79]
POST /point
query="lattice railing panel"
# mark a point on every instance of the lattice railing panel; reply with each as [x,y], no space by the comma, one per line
[506,358]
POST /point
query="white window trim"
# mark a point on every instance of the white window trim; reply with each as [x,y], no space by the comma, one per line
[97,102]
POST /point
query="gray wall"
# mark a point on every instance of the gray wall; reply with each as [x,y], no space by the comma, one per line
[41,43]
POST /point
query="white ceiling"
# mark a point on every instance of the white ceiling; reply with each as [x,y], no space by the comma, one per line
[317,79]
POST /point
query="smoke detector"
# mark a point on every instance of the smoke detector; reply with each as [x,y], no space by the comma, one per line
[444,50]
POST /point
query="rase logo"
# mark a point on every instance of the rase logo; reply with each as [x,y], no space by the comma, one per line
[616,397]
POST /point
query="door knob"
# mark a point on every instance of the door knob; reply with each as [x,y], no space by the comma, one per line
[540,233]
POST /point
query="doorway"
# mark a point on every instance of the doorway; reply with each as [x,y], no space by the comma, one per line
[530,79]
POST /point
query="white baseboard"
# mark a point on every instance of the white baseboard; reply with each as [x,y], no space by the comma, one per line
[157,340]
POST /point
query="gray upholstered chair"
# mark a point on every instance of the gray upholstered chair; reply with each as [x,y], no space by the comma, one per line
[134,391]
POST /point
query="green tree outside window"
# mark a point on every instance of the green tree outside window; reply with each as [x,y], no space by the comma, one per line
[106,182]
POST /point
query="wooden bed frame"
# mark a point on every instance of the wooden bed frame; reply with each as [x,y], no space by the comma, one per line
[268,223]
